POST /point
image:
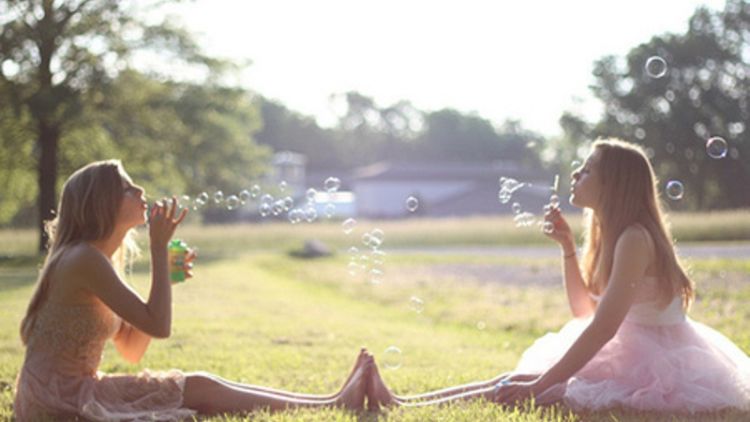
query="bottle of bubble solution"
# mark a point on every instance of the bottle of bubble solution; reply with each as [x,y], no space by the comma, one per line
[177,251]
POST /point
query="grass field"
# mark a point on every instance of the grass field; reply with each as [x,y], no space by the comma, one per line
[256,315]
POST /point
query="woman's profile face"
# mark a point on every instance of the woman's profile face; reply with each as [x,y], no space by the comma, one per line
[585,182]
[133,207]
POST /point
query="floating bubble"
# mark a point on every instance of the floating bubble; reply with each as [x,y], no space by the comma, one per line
[481,325]
[185,199]
[254,191]
[245,196]
[264,209]
[278,207]
[330,210]
[218,197]
[524,219]
[295,216]
[353,268]
[202,198]
[575,164]
[266,199]
[348,225]
[554,200]
[282,185]
[516,208]
[353,250]
[548,227]
[716,147]
[392,358]
[232,202]
[288,203]
[504,196]
[412,204]
[376,276]
[675,190]
[416,304]
[310,195]
[378,235]
[367,239]
[656,67]
[311,214]
[332,184]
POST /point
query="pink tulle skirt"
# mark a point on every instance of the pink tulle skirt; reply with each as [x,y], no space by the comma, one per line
[682,367]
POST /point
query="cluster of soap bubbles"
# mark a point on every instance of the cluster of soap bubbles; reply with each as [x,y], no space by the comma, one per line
[716,146]
[366,260]
[507,187]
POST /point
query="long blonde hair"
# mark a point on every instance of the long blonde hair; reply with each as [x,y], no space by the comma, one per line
[629,195]
[87,211]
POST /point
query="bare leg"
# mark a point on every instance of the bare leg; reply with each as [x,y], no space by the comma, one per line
[361,359]
[378,394]
[481,385]
[211,395]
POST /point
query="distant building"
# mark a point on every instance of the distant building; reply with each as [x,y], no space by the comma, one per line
[445,189]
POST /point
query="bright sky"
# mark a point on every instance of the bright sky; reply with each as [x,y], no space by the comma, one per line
[528,60]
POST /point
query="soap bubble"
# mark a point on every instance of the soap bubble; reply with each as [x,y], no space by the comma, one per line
[266,199]
[416,304]
[348,225]
[254,191]
[311,214]
[330,210]
[218,197]
[232,202]
[504,196]
[376,276]
[278,207]
[264,209]
[516,208]
[295,216]
[202,198]
[481,325]
[575,164]
[392,358]
[675,190]
[656,67]
[332,184]
[353,251]
[245,196]
[310,195]
[554,200]
[548,227]
[367,239]
[353,268]
[288,203]
[282,185]
[378,235]
[716,147]
[412,204]
[185,199]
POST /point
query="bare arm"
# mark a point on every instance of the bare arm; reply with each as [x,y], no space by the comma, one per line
[93,269]
[630,263]
[131,342]
[581,304]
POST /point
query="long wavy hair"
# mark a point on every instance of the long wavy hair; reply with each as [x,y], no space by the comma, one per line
[630,194]
[87,211]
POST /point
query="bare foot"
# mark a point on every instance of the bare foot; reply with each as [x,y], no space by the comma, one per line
[361,357]
[378,394]
[352,396]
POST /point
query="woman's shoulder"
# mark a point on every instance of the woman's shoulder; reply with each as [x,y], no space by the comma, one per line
[636,235]
[79,258]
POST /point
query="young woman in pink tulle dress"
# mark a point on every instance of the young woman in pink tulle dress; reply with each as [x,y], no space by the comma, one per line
[80,302]
[630,344]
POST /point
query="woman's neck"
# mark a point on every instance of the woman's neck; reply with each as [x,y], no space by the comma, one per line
[110,244]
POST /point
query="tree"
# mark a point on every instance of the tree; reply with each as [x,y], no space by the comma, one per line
[704,93]
[54,55]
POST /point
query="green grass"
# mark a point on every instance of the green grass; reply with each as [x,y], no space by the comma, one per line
[264,318]
[224,240]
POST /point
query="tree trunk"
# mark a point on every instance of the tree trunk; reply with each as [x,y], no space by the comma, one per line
[49,136]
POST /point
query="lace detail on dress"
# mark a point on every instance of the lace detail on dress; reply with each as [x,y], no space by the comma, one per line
[72,337]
